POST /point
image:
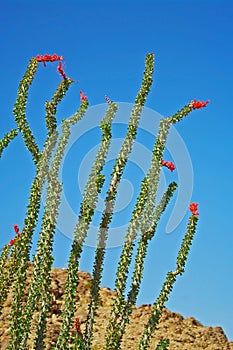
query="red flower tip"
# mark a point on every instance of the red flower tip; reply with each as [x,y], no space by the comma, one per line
[61,71]
[169,165]
[12,241]
[107,99]
[199,104]
[16,228]
[193,208]
[49,58]
[83,98]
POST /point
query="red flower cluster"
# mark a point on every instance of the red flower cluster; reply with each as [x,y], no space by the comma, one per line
[193,208]
[49,58]
[16,228]
[83,98]
[199,104]
[61,71]
[169,165]
[107,99]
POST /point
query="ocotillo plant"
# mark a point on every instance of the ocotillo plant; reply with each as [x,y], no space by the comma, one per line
[144,220]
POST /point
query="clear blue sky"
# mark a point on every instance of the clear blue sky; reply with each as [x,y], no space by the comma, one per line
[104,45]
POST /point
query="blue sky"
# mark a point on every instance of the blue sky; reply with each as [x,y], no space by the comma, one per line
[104,45]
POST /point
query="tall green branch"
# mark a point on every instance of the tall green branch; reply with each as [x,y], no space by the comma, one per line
[168,284]
[20,110]
[122,319]
[141,214]
[52,206]
[88,205]
[111,194]
[41,160]
[24,242]
[40,282]
[45,258]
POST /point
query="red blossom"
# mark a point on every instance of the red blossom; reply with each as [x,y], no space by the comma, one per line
[107,99]
[49,58]
[169,165]
[61,71]
[12,241]
[199,104]
[193,208]
[16,228]
[83,98]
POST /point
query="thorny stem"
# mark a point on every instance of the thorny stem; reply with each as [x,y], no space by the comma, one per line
[111,194]
[141,214]
[24,242]
[90,197]
[20,110]
[168,284]
[146,235]
[41,160]
[39,287]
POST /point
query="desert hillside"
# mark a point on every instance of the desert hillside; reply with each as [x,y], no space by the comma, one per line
[184,334]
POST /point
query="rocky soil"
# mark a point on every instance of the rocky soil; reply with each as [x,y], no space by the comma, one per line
[184,334]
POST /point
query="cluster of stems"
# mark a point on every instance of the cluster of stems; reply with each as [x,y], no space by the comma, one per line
[142,225]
